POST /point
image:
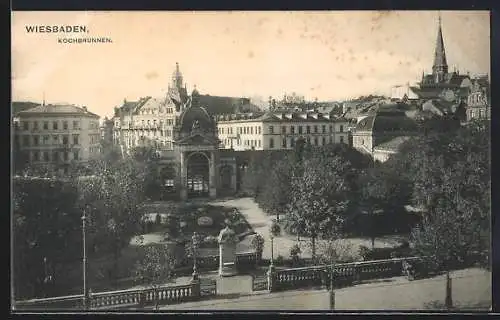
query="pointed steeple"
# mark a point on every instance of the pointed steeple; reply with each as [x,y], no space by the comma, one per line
[177,77]
[440,66]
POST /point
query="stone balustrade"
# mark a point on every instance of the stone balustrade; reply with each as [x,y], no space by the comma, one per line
[343,274]
[121,298]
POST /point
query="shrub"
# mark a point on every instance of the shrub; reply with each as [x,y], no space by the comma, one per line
[279,261]
[257,244]
[295,251]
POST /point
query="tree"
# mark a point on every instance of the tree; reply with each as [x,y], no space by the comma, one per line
[257,243]
[320,199]
[46,225]
[155,268]
[112,199]
[452,181]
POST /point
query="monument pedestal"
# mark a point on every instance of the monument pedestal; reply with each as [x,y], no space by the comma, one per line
[227,253]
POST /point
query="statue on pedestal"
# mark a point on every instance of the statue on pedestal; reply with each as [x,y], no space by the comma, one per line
[227,252]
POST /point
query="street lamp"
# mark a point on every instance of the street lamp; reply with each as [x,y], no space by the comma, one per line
[195,241]
[84,261]
[48,278]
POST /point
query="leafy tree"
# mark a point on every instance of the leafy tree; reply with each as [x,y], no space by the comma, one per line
[452,181]
[112,200]
[320,199]
[155,268]
[257,243]
[47,225]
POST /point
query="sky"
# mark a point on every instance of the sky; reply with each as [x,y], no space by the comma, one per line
[325,55]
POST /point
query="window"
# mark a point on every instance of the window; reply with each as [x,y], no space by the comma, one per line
[271,143]
[283,144]
[76,125]
[46,156]
[26,125]
[258,142]
[315,129]
[55,156]
[283,129]
[292,129]
[55,125]
[308,129]
[259,130]
[66,157]
[251,130]
[341,139]
[308,139]
[323,141]
[45,125]
[331,128]
[323,128]
[65,125]
[35,125]
[36,141]
[36,156]
[75,139]
[65,140]
[26,141]
[341,128]
[292,142]
[55,139]
[315,141]
[271,129]
[330,140]
[300,129]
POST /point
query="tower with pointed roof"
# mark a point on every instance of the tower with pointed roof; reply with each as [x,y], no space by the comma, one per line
[440,66]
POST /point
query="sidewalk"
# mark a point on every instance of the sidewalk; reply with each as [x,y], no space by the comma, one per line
[471,287]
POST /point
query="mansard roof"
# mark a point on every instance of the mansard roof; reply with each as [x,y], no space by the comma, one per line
[387,122]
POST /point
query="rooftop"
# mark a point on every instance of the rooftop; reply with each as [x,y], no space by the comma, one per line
[58,109]
[393,144]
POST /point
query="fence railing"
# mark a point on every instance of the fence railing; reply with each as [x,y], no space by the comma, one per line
[125,298]
[244,261]
[342,274]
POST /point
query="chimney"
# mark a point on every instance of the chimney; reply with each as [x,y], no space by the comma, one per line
[84,108]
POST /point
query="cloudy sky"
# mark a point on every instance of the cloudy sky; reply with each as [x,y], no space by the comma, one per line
[324,55]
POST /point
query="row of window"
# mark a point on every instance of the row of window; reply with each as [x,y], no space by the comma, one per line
[315,129]
[291,130]
[46,140]
[147,123]
[160,133]
[285,143]
[54,125]
[315,142]
[46,156]
[154,111]
[481,114]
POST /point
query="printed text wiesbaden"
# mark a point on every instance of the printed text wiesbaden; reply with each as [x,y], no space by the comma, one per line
[56,29]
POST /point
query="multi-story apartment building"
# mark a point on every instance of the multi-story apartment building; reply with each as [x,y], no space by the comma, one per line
[279,130]
[56,136]
[479,100]
[150,121]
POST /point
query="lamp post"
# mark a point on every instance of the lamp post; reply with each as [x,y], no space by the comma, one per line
[84,261]
[272,250]
[195,247]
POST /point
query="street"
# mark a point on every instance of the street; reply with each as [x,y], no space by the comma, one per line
[471,287]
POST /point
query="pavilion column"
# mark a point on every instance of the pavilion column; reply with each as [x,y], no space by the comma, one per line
[183,177]
[213,176]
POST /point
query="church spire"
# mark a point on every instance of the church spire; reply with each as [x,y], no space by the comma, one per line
[177,77]
[440,66]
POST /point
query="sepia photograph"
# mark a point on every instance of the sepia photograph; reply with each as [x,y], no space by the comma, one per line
[281,161]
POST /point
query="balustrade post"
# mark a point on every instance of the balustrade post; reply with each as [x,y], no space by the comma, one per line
[357,273]
[196,289]
[270,278]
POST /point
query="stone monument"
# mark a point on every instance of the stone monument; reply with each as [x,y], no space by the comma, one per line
[227,252]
